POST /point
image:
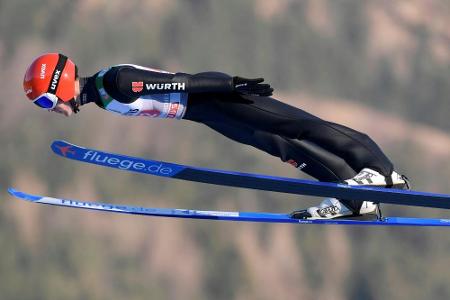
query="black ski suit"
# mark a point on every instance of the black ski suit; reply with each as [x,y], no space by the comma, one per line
[324,150]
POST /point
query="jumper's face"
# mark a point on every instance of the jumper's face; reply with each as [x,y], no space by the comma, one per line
[65,108]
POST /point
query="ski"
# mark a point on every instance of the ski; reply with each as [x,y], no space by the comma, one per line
[248,180]
[220,215]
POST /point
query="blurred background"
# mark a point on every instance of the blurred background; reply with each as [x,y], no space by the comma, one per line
[381,67]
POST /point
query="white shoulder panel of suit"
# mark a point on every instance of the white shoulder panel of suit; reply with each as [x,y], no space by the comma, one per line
[170,105]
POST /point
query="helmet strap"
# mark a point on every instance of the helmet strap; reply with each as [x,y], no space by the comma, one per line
[75,105]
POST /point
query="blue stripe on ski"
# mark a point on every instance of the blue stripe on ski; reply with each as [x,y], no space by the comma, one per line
[221,215]
[253,181]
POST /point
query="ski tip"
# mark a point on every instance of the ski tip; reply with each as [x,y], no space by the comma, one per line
[56,144]
[12,191]
[21,195]
[62,148]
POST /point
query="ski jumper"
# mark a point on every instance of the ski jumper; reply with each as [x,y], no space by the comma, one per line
[324,150]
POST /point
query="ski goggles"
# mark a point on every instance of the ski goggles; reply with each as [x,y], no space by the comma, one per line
[46,101]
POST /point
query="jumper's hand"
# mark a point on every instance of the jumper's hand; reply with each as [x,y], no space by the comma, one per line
[252,87]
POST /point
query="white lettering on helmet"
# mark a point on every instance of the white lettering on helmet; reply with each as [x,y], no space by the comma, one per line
[43,67]
[55,79]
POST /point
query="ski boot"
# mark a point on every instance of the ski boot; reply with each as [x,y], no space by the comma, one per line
[331,208]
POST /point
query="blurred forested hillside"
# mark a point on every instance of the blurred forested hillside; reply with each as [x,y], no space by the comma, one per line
[379,66]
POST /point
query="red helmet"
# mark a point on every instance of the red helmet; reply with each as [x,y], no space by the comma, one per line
[51,73]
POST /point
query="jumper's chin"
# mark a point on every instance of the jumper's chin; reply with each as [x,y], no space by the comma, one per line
[64,109]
